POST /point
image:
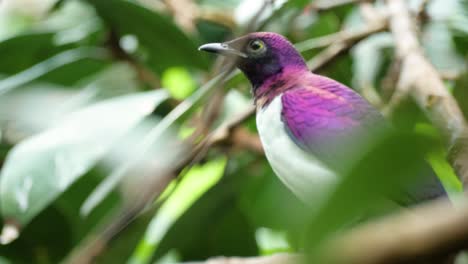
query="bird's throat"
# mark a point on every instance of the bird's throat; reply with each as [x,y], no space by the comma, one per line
[275,85]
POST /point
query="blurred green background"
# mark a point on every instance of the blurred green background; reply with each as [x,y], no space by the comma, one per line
[102,102]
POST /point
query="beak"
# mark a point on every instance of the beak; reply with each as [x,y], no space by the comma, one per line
[222,48]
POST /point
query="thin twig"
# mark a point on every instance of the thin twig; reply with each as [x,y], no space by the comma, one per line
[348,36]
[341,42]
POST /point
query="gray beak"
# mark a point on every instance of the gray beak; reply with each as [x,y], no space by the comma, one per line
[222,48]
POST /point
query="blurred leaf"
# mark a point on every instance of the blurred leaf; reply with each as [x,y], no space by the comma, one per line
[22,51]
[373,178]
[445,172]
[270,241]
[150,140]
[35,107]
[74,21]
[193,185]
[47,66]
[461,93]
[440,48]
[40,168]
[436,157]
[235,103]
[368,58]
[13,23]
[247,10]
[4,261]
[121,247]
[226,4]
[211,31]
[459,25]
[166,44]
[46,239]
[213,225]
[71,74]
[179,82]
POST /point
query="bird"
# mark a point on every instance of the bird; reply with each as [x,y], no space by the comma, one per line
[312,127]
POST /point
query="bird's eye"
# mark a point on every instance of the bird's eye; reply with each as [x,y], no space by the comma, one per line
[256,46]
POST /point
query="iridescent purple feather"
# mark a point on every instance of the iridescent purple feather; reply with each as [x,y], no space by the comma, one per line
[324,117]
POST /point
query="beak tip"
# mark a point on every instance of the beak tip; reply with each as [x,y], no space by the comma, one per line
[221,48]
[210,47]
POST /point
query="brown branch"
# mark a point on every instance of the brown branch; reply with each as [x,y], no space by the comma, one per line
[426,234]
[421,80]
[274,259]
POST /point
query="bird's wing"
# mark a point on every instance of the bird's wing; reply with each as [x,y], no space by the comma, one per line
[325,118]
[333,123]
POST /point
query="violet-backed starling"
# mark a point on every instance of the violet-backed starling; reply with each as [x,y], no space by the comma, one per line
[311,127]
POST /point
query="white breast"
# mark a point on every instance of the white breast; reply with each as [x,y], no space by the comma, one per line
[307,177]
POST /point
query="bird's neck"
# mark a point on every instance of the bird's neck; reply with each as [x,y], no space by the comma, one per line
[277,84]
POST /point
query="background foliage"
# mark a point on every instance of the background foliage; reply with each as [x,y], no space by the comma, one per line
[98,96]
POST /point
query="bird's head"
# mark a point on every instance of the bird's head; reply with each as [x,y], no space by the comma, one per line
[260,55]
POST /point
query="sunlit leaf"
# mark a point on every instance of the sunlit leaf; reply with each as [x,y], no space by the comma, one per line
[213,225]
[178,81]
[194,184]
[40,168]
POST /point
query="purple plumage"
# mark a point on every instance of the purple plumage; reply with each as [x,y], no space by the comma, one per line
[325,117]
[312,127]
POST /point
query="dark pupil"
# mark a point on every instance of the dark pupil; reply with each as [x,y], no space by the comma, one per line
[255,45]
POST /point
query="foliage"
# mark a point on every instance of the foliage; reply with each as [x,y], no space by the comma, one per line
[99,100]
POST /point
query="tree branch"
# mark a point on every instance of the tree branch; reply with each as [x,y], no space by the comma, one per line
[426,234]
[346,36]
[421,80]
[274,259]
[340,42]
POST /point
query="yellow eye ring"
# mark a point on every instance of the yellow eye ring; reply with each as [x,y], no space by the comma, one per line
[256,46]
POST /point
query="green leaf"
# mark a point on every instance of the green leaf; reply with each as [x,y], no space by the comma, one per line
[40,168]
[197,181]
[213,225]
[22,51]
[165,43]
[393,164]
[53,63]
